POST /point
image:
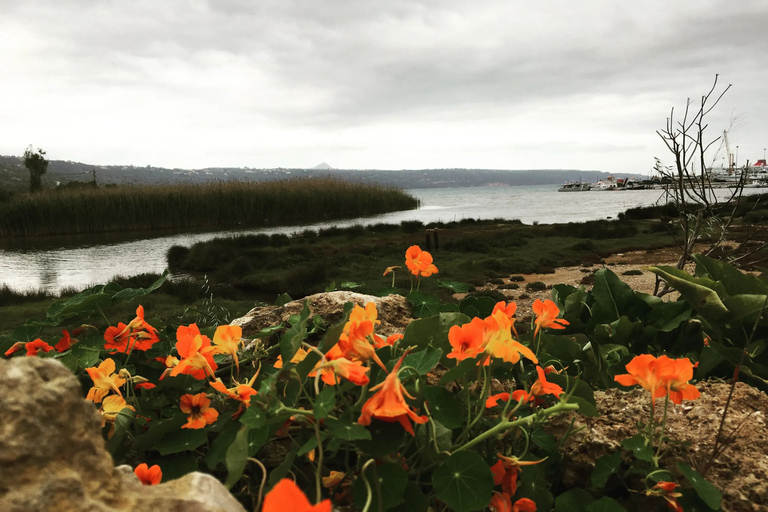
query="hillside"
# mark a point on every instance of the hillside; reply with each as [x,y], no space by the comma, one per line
[13,175]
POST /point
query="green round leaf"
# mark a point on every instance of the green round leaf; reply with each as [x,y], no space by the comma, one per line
[708,493]
[444,406]
[464,482]
[388,483]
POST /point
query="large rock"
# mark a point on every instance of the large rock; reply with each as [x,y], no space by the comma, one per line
[53,458]
[394,312]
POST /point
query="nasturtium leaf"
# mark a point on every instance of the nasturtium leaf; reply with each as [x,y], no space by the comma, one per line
[347,430]
[413,499]
[604,467]
[176,466]
[424,360]
[701,293]
[544,440]
[706,491]
[158,429]
[454,286]
[131,293]
[444,406]
[325,402]
[423,305]
[293,337]
[464,482]
[426,439]
[88,358]
[575,500]
[284,468]
[605,504]
[388,483]
[69,360]
[467,366]
[236,457]
[479,306]
[636,444]
[310,445]
[254,417]
[283,299]
[185,440]
[221,444]
[534,485]
[350,285]
[447,307]
[385,438]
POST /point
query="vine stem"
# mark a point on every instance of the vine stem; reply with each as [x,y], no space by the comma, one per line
[369,496]
[505,424]
[263,480]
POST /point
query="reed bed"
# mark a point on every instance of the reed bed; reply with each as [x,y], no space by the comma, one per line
[188,206]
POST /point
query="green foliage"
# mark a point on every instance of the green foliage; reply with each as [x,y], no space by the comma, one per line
[37,165]
[186,206]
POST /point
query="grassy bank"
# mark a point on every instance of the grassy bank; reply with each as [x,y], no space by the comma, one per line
[132,208]
[471,252]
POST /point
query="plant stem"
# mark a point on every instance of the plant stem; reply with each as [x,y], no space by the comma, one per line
[505,424]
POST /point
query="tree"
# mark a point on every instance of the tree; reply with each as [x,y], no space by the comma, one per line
[37,165]
[690,185]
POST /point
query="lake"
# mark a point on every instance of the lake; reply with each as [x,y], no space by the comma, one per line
[54,263]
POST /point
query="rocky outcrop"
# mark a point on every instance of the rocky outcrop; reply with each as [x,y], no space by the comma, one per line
[394,312]
[53,458]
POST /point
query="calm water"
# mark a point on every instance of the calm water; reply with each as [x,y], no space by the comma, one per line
[53,264]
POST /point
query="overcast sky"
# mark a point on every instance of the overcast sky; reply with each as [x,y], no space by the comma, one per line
[388,84]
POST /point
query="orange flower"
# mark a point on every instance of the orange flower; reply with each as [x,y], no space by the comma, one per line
[391,340]
[667,491]
[110,408]
[357,341]
[147,475]
[675,374]
[517,395]
[353,371]
[466,340]
[541,387]
[104,379]
[524,505]
[286,496]
[389,404]
[199,410]
[661,376]
[242,393]
[136,335]
[196,352]
[297,357]
[144,385]
[506,471]
[227,339]
[419,262]
[34,347]
[500,502]
[390,270]
[499,342]
[546,315]
[65,342]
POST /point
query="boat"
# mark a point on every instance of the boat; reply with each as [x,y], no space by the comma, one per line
[609,183]
[569,186]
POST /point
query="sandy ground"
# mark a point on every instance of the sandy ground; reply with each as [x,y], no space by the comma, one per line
[618,263]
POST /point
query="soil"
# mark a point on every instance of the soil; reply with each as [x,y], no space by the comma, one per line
[740,472]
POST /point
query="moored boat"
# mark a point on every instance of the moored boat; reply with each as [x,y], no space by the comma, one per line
[574,187]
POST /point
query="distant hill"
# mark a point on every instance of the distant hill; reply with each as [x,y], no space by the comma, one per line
[13,175]
[323,166]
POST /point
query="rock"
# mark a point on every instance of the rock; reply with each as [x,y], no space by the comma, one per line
[53,458]
[394,312]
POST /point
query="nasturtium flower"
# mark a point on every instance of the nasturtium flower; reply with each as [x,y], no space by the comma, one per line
[675,374]
[227,339]
[286,496]
[419,262]
[499,342]
[242,392]
[37,346]
[199,410]
[546,316]
[388,403]
[500,502]
[541,387]
[467,340]
[110,408]
[104,380]
[298,357]
[144,385]
[65,342]
[148,475]
[661,376]
[358,341]
[390,270]
[506,471]
[353,371]
[524,505]
[136,335]
[518,395]
[196,353]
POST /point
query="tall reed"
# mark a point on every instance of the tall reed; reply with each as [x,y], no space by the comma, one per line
[188,206]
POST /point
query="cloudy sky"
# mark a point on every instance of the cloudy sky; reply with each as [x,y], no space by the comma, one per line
[376,84]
